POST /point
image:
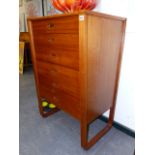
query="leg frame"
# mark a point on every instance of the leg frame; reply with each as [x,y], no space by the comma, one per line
[85,129]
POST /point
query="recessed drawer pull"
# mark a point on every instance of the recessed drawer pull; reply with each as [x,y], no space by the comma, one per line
[53,71]
[50,40]
[54,84]
[53,90]
[50,25]
[53,55]
[55,99]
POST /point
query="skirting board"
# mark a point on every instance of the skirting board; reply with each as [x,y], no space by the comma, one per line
[119,127]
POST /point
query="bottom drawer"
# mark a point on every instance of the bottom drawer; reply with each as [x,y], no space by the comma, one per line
[62,100]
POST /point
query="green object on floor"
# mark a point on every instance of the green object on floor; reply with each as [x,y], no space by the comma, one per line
[51,105]
[44,104]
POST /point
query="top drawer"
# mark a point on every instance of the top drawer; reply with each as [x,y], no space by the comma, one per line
[56,25]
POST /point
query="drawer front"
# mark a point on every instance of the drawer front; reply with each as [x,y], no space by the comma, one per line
[54,76]
[64,58]
[56,25]
[61,99]
[63,42]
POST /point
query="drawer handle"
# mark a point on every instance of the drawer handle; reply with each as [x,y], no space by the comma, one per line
[53,55]
[53,90]
[50,25]
[54,84]
[50,40]
[53,71]
[55,99]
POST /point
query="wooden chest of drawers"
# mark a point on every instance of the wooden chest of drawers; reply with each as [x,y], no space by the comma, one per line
[76,59]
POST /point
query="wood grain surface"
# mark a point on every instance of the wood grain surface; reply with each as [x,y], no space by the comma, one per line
[77,60]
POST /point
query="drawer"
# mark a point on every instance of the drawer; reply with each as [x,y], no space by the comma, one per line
[61,99]
[56,25]
[63,42]
[64,58]
[54,76]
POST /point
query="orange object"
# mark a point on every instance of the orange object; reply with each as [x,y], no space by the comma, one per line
[67,6]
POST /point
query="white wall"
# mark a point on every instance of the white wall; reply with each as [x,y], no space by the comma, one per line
[22,8]
[125,99]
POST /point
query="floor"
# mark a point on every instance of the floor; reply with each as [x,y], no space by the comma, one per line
[59,134]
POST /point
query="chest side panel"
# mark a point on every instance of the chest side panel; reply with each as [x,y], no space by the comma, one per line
[104,41]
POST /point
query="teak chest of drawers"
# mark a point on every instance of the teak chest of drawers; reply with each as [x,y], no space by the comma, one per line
[76,59]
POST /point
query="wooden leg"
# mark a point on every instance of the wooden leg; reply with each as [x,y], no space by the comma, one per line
[85,129]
